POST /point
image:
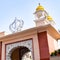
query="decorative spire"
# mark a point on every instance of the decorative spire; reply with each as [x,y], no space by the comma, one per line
[39,4]
[39,7]
[49,18]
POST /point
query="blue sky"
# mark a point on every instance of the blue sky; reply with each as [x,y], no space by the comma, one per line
[24,9]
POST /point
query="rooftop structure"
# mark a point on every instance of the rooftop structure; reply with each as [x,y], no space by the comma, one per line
[42,17]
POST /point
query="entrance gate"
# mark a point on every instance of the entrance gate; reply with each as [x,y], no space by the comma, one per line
[19,50]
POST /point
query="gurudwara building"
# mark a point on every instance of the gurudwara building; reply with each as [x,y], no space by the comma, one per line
[35,43]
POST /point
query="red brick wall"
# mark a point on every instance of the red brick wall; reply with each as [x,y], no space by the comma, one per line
[0,49]
[43,46]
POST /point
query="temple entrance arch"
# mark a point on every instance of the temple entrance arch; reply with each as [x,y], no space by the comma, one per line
[21,53]
[20,50]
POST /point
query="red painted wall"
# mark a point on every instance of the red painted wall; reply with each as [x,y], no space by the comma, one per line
[43,46]
[0,49]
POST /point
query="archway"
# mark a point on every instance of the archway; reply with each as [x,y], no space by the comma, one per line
[21,53]
[10,48]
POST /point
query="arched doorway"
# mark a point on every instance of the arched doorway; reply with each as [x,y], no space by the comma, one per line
[17,47]
[21,53]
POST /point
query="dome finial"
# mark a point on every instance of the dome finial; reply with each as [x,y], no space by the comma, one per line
[39,7]
[39,4]
[49,18]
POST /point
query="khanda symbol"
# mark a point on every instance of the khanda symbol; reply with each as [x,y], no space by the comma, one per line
[16,25]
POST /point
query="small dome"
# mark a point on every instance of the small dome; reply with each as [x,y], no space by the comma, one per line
[39,7]
[49,18]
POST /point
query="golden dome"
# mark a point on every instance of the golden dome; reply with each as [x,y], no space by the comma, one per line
[49,18]
[39,7]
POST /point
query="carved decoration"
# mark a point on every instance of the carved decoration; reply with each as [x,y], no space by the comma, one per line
[11,47]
